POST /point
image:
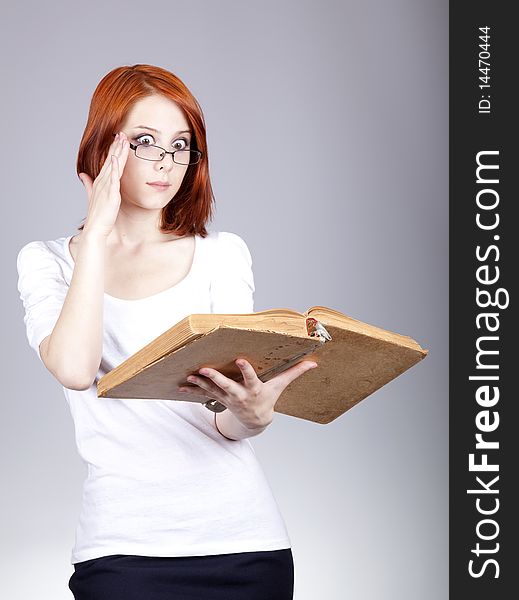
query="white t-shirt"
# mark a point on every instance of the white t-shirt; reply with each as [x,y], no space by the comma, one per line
[162,481]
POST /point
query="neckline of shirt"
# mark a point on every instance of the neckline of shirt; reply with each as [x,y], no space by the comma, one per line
[180,283]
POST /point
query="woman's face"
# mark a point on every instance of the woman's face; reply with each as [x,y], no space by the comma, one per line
[154,120]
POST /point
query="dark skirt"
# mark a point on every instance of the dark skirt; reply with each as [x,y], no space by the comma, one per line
[238,576]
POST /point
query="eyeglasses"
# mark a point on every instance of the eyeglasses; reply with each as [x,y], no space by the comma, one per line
[181,157]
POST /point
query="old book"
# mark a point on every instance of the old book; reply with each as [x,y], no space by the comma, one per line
[354,359]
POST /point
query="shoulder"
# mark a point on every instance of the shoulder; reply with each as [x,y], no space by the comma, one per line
[40,252]
[227,254]
[230,243]
[31,247]
[32,251]
[227,237]
[232,278]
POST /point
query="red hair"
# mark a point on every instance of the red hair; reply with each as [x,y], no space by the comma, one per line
[113,98]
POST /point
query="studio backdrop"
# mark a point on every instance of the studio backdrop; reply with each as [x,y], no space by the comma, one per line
[327,131]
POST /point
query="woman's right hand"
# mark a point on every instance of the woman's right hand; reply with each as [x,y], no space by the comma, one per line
[104,197]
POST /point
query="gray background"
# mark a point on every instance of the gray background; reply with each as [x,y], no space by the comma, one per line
[352,214]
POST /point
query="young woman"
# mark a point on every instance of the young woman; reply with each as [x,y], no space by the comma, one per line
[175,504]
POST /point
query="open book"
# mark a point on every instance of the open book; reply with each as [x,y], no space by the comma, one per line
[354,359]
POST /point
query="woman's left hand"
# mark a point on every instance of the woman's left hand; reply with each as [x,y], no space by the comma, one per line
[251,401]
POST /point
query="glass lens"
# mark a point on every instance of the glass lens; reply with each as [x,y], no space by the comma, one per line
[186,157]
[149,152]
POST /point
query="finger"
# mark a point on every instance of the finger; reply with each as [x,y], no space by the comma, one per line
[206,384]
[221,381]
[123,155]
[104,179]
[195,391]
[120,151]
[110,175]
[205,387]
[283,379]
[250,378]
[113,149]
[114,172]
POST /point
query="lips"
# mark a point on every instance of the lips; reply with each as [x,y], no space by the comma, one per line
[160,185]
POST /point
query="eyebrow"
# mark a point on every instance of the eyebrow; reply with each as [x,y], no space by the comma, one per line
[156,130]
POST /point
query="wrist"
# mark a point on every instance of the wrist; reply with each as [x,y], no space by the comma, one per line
[93,234]
[227,424]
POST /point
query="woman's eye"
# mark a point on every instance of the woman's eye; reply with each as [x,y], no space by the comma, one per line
[180,144]
[140,139]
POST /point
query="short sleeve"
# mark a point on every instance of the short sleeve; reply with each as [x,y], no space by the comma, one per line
[232,281]
[42,290]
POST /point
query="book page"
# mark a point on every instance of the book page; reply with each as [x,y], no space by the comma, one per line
[329,316]
[282,320]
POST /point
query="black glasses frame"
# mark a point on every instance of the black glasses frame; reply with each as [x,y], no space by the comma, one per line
[196,153]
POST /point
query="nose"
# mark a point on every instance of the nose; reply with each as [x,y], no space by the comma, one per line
[167,162]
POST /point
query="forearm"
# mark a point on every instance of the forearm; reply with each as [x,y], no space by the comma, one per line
[76,343]
[230,427]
